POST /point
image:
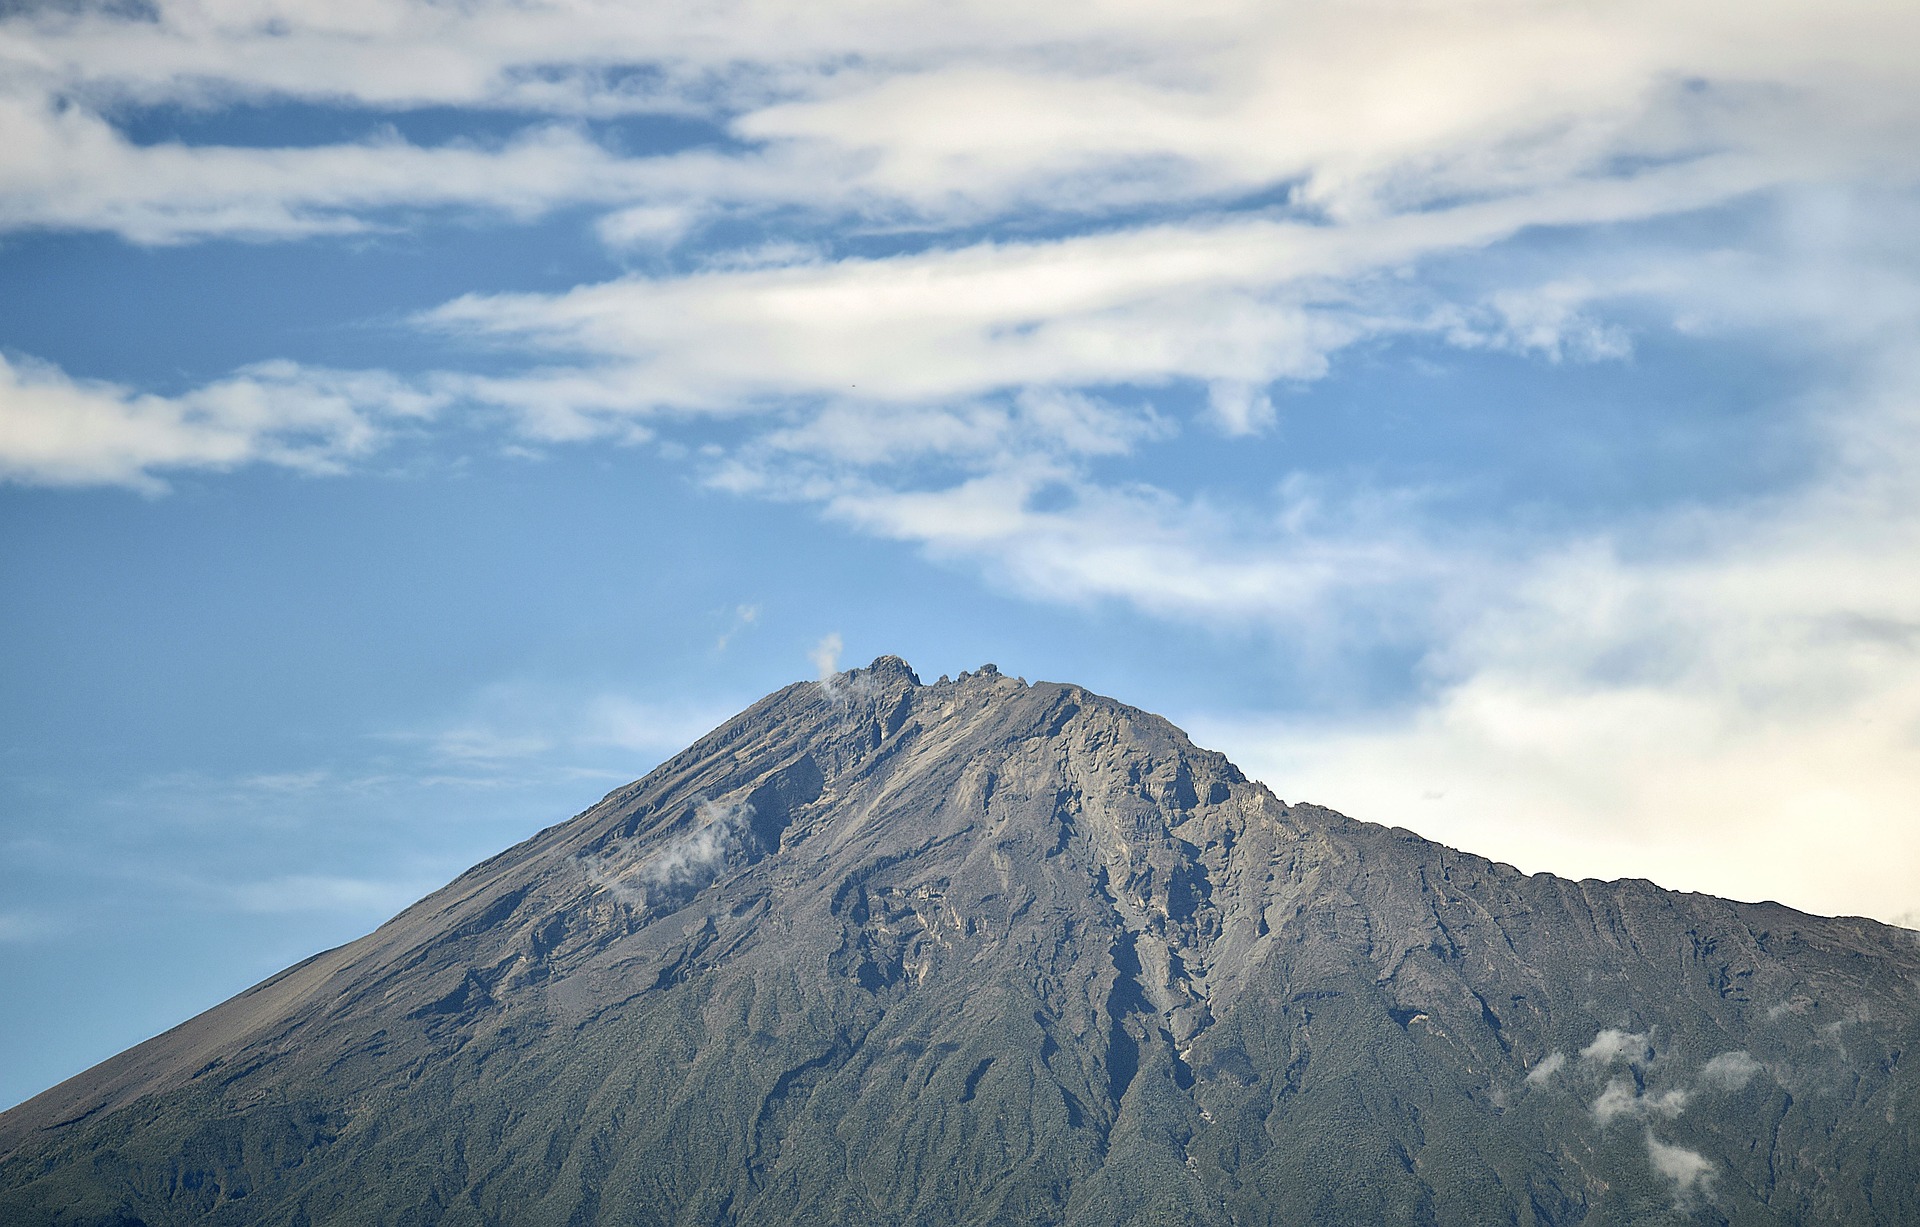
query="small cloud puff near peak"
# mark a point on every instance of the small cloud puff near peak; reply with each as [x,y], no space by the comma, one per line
[825,657]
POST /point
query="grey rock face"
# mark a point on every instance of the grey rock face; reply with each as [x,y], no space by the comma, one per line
[982,952]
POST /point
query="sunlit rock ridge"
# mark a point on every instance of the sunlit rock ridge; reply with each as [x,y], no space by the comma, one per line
[880,952]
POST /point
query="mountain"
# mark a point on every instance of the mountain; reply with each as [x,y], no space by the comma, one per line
[984,952]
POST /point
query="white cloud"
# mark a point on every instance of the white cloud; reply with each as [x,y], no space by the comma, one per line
[1549,320]
[1622,1098]
[1549,1065]
[1612,1044]
[1689,1170]
[825,658]
[645,226]
[693,858]
[56,430]
[1035,422]
[1240,408]
[1730,1071]
[1182,559]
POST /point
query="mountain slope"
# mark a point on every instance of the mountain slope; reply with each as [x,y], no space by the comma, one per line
[984,952]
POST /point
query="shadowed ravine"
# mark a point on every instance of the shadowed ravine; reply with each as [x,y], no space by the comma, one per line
[982,952]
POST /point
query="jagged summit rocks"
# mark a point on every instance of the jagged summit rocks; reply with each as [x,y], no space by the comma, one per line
[879,952]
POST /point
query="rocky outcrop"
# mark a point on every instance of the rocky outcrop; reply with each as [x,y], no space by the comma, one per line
[985,952]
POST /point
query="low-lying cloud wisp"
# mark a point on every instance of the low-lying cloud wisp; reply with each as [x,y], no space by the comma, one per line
[688,862]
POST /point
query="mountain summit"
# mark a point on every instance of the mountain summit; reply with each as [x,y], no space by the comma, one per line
[879,952]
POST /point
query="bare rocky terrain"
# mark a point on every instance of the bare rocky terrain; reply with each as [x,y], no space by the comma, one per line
[983,952]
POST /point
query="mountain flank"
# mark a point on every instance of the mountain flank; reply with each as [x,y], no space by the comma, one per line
[984,952]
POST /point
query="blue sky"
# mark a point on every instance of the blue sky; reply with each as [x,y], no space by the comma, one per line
[1496,418]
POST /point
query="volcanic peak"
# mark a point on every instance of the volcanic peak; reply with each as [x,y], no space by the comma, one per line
[981,951]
